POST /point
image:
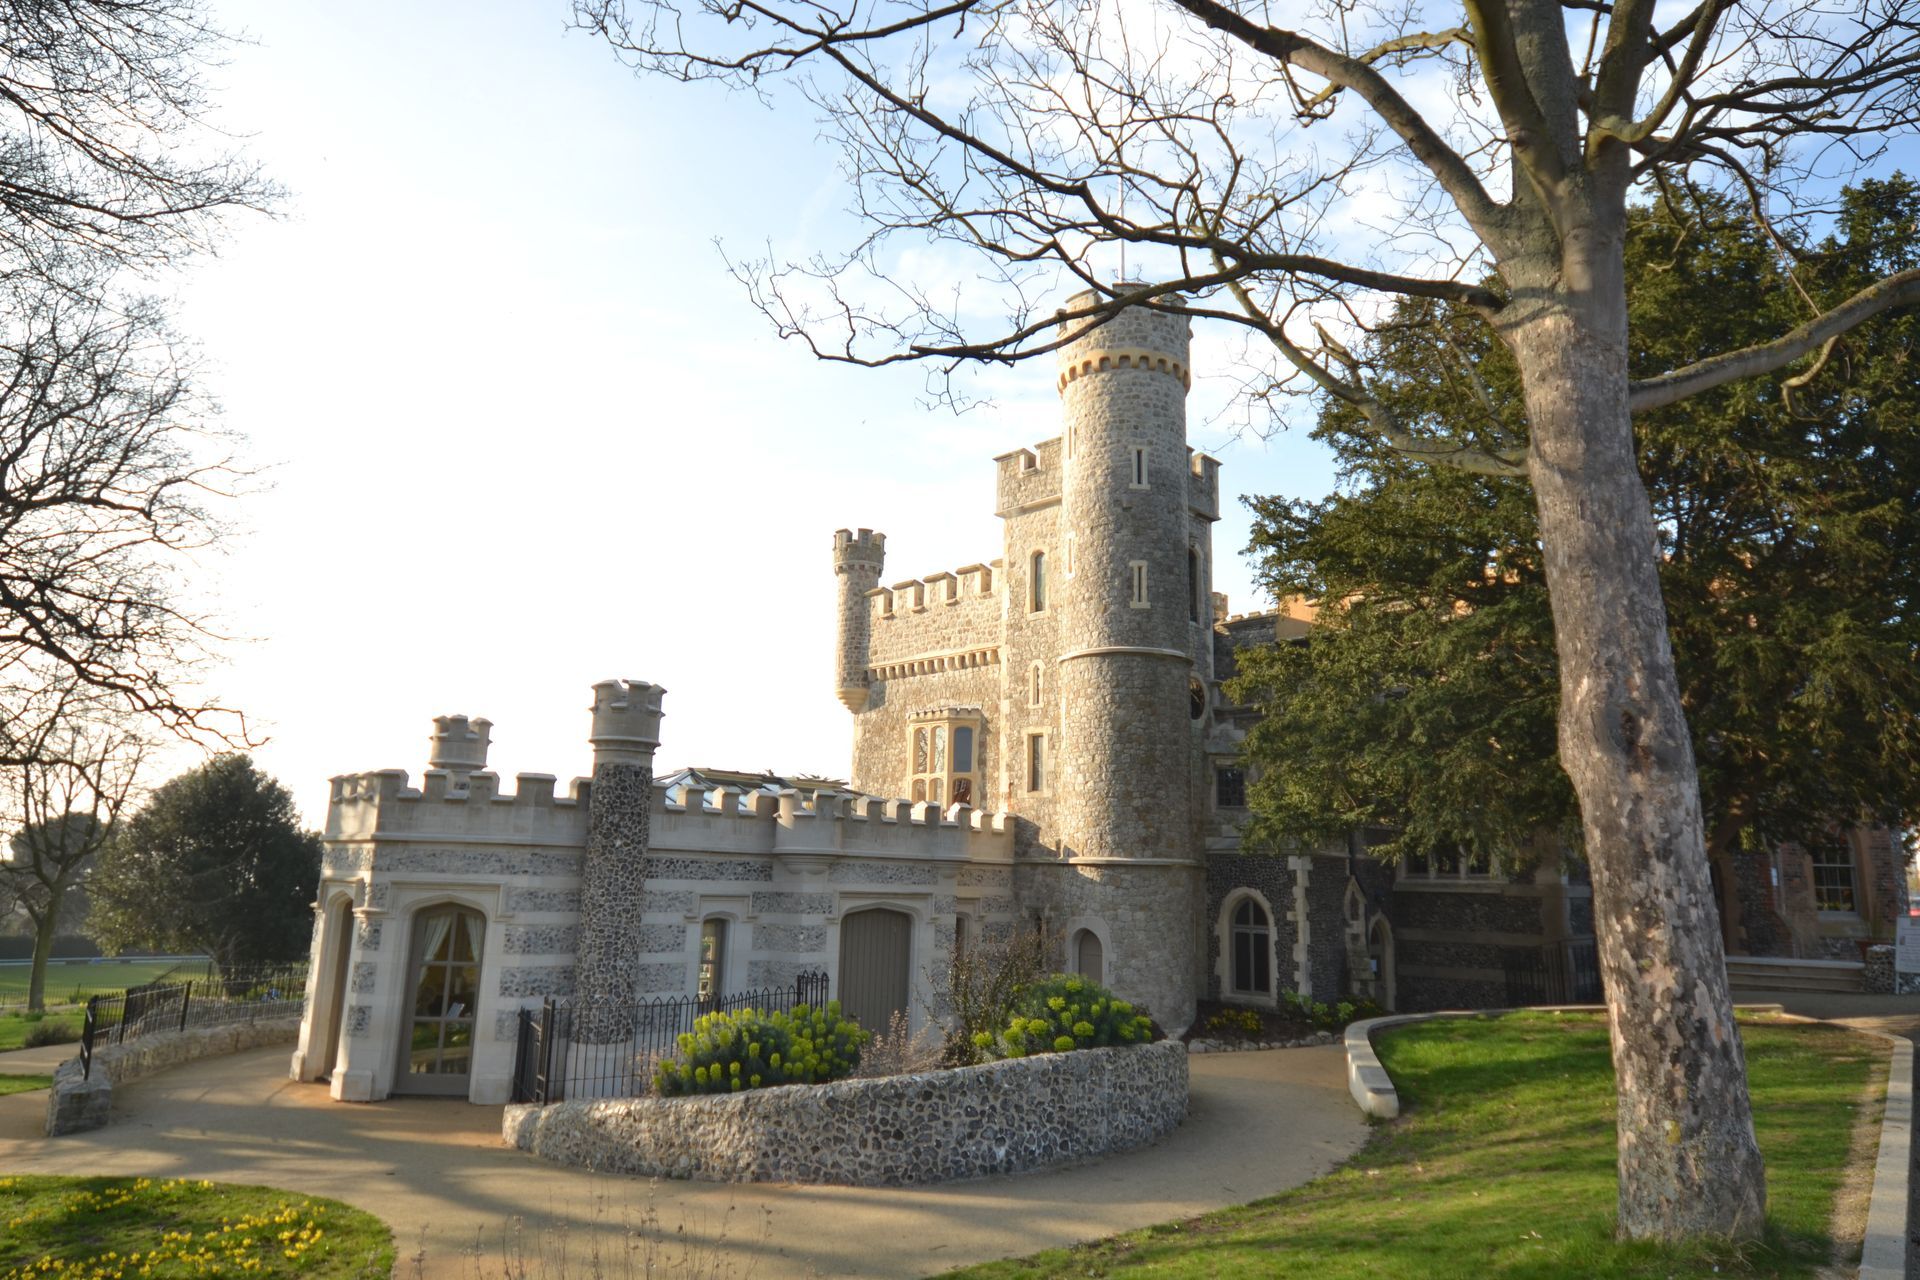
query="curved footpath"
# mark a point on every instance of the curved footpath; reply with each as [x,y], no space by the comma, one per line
[437,1171]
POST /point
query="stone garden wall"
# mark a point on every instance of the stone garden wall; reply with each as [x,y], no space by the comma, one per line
[78,1103]
[1004,1117]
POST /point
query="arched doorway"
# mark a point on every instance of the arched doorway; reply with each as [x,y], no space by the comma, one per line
[876,951]
[1250,958]
[436,1056]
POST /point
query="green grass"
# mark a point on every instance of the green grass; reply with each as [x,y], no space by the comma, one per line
[94,1227]
[14,1027]
[23,1084]
[1502,1168]
[68,980]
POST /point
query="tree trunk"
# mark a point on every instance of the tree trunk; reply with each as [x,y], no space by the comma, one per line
[1688,1162]
[44,928]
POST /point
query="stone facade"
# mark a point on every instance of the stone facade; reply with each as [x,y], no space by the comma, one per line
[1052,719]
[1005,1117]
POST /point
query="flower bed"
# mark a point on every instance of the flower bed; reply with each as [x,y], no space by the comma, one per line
[1003,1117]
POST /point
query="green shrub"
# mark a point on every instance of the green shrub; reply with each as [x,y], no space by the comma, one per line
[1065,1012]
[1327,1017]
[730,1052]
[58,1031]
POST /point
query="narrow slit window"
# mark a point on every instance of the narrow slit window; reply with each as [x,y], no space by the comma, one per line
[1070,556]
[1193,585]
[1037,583]
[1036,690]
[1138,571]
[1139,480]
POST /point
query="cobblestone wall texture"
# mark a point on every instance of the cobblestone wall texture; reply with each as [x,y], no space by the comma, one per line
[1005,1117]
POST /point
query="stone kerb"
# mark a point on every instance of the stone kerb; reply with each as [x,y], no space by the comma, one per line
[1004,1117]
[78,1103]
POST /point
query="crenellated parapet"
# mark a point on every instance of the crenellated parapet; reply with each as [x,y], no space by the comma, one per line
[1203,485]
[381,805]
[1028,479]
[947,587]
[828,823]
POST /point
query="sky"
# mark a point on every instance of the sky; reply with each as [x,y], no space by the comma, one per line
[520,429]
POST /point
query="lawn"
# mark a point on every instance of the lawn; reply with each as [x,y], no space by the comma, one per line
[114,1227]
[14,1027]
[23,1084]
[1502,1168]
[73,980]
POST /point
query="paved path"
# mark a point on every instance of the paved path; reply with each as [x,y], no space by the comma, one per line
[436,1171]
[35,1062]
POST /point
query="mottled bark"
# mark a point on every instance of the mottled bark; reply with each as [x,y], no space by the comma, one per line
[1688,1161]
[45,925]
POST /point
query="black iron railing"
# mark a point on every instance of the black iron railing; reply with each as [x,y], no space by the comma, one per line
[607,1049]
[1558,973]
[233,995]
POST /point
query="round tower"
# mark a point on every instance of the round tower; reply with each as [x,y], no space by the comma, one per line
[857,560]
[1124,802]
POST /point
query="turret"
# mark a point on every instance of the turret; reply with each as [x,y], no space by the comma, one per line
[857,560]
[459,746]
[626,729]
[626,722]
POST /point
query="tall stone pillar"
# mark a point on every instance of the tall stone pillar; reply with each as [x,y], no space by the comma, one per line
[857,561]
[626,729]
[1124,813]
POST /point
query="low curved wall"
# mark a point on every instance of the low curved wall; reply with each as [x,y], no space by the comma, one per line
[79,1103]
[1004,1117]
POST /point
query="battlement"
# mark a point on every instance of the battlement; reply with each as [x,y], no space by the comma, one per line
[381,806]
[1028,479]
[858,547]
[1203,485]
[626,722]
[1136,338]
[916,595]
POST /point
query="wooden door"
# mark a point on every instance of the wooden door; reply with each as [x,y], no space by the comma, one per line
[876,950]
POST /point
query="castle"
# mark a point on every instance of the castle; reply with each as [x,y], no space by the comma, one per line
[1039,738]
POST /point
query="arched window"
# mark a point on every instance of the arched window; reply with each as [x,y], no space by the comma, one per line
[1089,957]
[1252,941]
[1036,689]
[1037,583]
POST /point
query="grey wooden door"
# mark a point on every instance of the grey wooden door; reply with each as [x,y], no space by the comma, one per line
[876,948]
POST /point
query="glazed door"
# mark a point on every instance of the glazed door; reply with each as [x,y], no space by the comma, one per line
[437,1054]
[875,951]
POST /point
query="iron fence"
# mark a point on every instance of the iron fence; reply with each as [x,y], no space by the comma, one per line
[1558,973]
[607,1049]
[234,995]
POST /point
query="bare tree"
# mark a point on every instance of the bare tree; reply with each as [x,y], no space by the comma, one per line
[1290,176]
[80,777]
[109,469]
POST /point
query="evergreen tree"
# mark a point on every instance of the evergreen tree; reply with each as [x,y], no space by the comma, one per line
[1789,525]
[215,862]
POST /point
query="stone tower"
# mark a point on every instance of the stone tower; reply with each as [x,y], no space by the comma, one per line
[626,729]
[1123,812]
[857,561]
